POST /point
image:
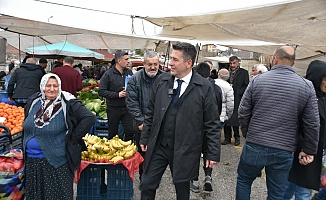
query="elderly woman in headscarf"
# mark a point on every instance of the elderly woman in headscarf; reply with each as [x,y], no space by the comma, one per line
[54,125]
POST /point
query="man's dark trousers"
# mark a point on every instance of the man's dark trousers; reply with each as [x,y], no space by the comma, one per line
[161,158]
[117,114]
[228,133]
[136,139]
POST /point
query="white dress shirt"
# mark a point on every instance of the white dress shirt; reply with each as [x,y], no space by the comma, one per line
[185,83]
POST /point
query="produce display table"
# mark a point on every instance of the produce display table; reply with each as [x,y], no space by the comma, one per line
[99,181]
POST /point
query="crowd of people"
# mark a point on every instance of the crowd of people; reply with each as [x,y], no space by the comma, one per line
[171,134]
[175,117]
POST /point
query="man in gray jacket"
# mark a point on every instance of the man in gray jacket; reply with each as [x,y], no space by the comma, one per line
[138,94]
[286,102]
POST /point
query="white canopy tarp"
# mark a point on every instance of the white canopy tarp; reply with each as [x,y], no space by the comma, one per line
[35,33]
[300,23]
[260,29]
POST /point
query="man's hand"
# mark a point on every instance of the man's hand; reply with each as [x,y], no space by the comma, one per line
[122,93]
[305,159]
[143,147]
[210,163]
[10,99]
[140,127]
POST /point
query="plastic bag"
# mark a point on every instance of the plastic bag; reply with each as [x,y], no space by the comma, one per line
[11,161]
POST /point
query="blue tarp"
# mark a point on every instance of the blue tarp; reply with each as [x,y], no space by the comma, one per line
[63,49]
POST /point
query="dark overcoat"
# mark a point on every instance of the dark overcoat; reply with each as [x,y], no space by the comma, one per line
[240,83]
[197,117]
[308,176]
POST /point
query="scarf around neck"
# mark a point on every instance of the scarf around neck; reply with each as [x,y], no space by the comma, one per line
[49,108]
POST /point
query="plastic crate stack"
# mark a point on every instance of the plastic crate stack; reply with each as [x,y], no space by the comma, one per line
[17,140]
[101,127]
[15,143]
[101,182]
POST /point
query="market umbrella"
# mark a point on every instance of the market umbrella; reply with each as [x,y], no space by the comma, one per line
[57,50]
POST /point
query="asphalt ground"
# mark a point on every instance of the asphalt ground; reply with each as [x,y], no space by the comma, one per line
[224,178]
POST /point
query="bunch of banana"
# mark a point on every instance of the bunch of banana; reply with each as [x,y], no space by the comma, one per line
[116,159]
[90,139]
[100,146]
[118,144]
[120,152]
[124,153]
[95,157]
[130,151]
[84,155]
[104,150]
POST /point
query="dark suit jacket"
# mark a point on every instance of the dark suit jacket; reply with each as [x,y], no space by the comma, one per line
[240,83]
[197,117]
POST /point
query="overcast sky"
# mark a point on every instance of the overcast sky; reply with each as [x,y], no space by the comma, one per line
[114,16]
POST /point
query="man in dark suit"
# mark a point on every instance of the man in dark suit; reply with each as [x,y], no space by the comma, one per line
[239,79]
[182,111]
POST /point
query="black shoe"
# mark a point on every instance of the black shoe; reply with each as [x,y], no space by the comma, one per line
[208,184]
[237,142]
[225,142]
[194,186]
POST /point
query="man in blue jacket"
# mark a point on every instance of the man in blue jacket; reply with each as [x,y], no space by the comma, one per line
[285,101]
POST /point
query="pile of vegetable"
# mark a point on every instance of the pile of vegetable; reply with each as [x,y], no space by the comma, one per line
[89,97]
[90,82]
[14,117]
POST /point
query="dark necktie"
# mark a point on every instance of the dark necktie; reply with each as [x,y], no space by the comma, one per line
[176,96]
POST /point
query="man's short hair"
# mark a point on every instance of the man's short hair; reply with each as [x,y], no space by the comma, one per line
[232,58]
[69,60]
[119,54]
[188,50]
[150,54]
[282,54]
[208,61]
[43,60]
[203,69]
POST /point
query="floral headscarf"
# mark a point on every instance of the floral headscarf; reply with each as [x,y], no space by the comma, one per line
[49,108]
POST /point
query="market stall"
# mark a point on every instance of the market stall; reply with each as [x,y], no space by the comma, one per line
[57,50]
[107,169]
